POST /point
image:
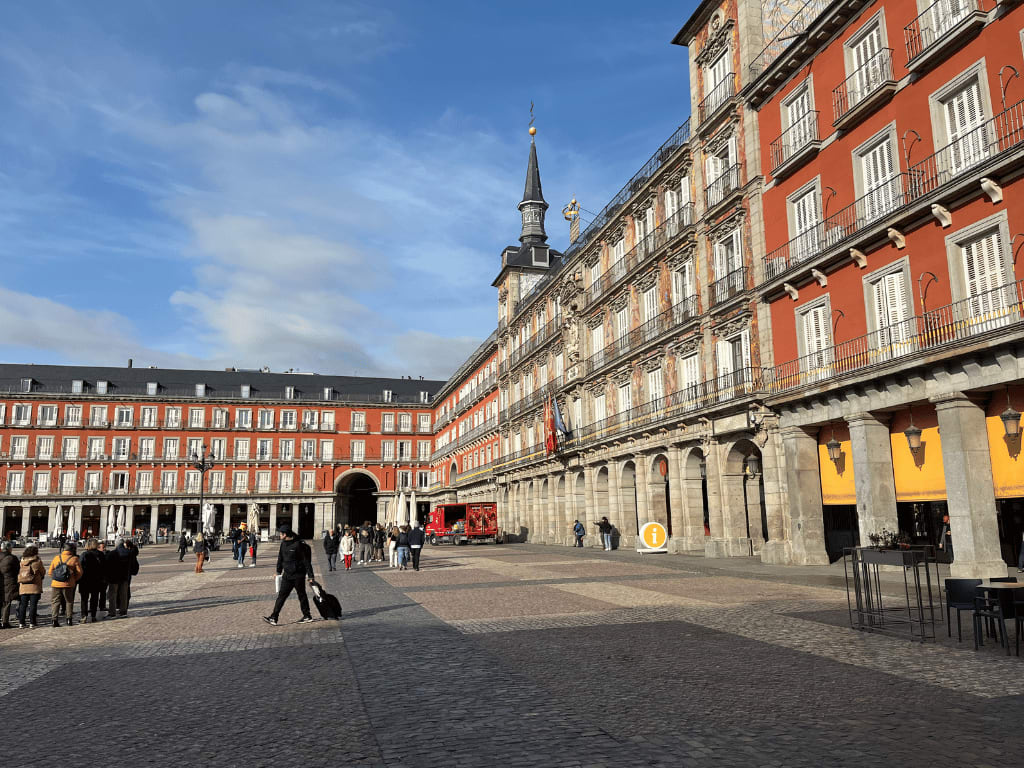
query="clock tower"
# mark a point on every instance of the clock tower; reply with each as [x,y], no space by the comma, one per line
[533,205]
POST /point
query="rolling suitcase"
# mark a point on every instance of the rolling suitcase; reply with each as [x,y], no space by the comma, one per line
[326,603]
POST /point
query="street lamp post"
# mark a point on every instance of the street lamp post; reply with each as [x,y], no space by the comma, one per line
[203,462]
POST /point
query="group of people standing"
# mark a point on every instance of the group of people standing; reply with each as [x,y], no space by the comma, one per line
[603,527]
[243,543]
[403,543]
[102,577]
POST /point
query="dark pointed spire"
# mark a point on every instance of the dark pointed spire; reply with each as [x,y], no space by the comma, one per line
[533,204]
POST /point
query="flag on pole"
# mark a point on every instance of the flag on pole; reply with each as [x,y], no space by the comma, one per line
[559,422]
[550,438]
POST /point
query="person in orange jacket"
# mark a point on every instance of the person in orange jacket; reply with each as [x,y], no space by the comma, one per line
[62,598]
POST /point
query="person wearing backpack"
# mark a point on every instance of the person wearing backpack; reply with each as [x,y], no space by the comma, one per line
[66,570]
[579,532]
[30,586]
[9,565]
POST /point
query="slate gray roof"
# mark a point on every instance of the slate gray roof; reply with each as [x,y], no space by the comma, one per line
[57,379]
[533,192]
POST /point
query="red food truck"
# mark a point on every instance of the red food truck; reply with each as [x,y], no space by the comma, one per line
[459,523]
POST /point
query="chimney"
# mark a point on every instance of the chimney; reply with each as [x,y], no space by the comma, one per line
[129,362]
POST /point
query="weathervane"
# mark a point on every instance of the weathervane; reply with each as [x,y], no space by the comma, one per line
[533,131]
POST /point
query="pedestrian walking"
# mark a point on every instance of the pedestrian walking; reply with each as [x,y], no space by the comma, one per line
[241,544]
[65,571]
[946,539]
[347,545]
[254,545]
[92,583]
[294,566]
[332,542]
[606,533]
[30,586]
[365,543]
[182,546]
[122,563]
[579,532]
[393,547]
[200,548]
[403,547]
[378,543]
[9,565]
[416,541]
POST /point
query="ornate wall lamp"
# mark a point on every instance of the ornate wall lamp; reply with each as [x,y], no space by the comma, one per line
[913,435]
[1011,419]
[752,466]
[835,449]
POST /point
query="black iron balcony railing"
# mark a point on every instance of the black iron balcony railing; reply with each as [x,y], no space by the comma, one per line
[635,339]
[862,84]
[787,34]
[718,190]
[800,136]
[988,144]
[940,21]
[545,333]
[728,286]
[646,249]
[720,93]
[948,326]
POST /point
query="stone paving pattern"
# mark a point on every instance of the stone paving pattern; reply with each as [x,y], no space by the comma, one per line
[511,655]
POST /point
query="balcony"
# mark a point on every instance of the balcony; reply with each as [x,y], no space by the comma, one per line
[942,27]
[863,91]
[716,98]
[664,234]
[729,286]
[797,144]
[970,320]
[719,189]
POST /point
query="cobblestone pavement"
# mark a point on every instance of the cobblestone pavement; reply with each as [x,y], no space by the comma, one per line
[514,655]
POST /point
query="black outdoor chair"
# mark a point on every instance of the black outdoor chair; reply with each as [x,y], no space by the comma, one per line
[990,608]
[960,594]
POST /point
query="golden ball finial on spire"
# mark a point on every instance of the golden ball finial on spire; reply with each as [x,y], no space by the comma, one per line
[533,130]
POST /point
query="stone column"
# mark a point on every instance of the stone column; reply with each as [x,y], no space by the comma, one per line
[676,510]
[873,478]
[614,502]
[753,492]
[644,510]
[104,520]
[154,511]
[590,514]
[51,521]
[295,518]
[26,521]
[715,545]
[969,489]
[273,518]
[803,479]
[776,550]
[227,517]
[179,516]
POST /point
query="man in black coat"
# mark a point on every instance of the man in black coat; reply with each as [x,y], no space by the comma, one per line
[9,565]
[331,543]
[416,539]
[122,563]
[294,566]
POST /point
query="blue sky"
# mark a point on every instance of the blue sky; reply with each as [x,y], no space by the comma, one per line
[322,186]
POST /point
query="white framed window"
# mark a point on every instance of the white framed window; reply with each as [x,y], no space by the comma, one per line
[982,276]
[170,447]
[48,415]
[310,419]
[327,421]
[265,449]
[622,322]
[144,481]
[405,422]
[386,395]
[423,420]
[308,480]
[287,448]
[423,479]
[358,450]
[152,387]
[21,414]
[263,482]
[327,450]
[600,409]
[404,450]
[194,448]
[168,481]
[147,417]
[73,415]
[219,448]
[289,393]
[217,481]
[733,357]
[172,417]
[266,418]
[44,447]
[387,450]
[387,422]
[650,303]
[69,448]
[655,385]
[102,387]
[867,62]
[308,450]
[880,179]
[192,480]
[119,482]
[147,448]
[77,387]
[196,417]
[41,483]
[288,419]
[625,398]
[804,211]
[243,418]
[328,393]
[67,483]
[245,391]
[285,480]
[423,450]
[890,309]
[97,416]
[240,481]
[358,421]
[3,412]
[683,282]
[220,418]
[19,447]
[122,447]
[15,483]
[815,337]
[96,447]
[200,390]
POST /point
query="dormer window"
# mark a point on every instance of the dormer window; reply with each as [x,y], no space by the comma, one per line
[289,393]
[200,390]
[328,393]
[77,387]
[245,391]
[387,395]
[26,385]
[101,387]
[152,387]
[424,397]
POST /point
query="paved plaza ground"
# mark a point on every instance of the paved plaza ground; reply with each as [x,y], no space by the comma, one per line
[510,655]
